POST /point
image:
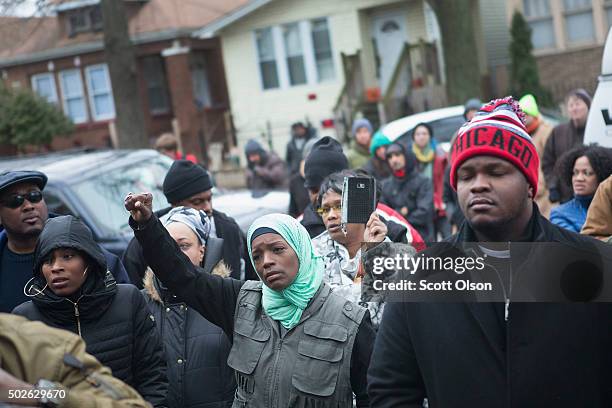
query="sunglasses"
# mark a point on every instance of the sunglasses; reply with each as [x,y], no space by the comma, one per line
[15,201]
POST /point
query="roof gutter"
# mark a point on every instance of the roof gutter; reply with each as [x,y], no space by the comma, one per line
[92,46]
[76,4]
[213,28]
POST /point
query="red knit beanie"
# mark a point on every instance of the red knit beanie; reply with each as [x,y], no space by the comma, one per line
[497,129]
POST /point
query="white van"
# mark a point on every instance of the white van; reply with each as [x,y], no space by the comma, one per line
[599,123]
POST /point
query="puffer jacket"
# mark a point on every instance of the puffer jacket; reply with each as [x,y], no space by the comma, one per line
[112,318]
[196,350]
[572,214]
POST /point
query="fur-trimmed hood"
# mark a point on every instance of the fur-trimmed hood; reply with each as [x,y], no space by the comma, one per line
[151,289]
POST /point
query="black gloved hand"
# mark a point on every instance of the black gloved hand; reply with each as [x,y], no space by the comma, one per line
[554,195]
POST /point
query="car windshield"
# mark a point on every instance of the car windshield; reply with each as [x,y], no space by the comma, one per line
[103,194]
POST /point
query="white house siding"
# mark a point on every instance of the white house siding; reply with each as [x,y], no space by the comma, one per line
[253,108]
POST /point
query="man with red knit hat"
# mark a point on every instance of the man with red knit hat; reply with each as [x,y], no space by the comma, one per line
[496,353]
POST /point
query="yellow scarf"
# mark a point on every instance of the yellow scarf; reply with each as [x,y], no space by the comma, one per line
[423,156]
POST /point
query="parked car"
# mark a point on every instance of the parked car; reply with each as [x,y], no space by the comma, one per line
[444,122]
[245,205]
[92,184]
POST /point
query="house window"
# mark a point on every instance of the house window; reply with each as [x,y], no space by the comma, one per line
[539,17]
[73,97]
[267,58]
[157,87]
[294,53]
[322,50]
[84,19]
[44,86]
[100,92]
[199,77]
[579,21]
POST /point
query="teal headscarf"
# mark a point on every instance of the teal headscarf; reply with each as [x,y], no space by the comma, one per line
[288,304]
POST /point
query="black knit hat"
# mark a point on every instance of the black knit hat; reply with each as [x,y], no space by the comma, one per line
[185,179]
[325,158]
[581,94]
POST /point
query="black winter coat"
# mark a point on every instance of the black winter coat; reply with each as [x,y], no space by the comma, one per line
[293,155]
[234,249]
[196,350]
[113,319]
[414,192]
[463,355]
[298,195]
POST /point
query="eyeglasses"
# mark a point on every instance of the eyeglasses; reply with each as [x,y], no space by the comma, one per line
[15,201]
[585,173]
[325,210]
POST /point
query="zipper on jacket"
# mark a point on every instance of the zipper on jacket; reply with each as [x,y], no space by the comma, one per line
[77,315]
[509,290]
[275,377]
[506,295]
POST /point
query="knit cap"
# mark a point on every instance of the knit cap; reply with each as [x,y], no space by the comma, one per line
[497,129]
[377,141]
[325,158]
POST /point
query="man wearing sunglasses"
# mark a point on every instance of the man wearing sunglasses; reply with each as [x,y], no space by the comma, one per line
[23,213]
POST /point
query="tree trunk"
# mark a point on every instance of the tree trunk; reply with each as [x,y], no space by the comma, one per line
[456,21]
[121,60]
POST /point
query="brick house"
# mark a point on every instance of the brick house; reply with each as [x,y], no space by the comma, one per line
[568,38]
[181,78]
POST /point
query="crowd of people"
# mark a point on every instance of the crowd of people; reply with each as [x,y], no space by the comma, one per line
[198,313]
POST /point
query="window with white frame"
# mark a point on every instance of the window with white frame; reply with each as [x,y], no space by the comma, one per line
[100,92]
[539,17]
[157,86]
[578,21]
[295,54]
[73,96]
[267,58]
[322,49]
[44,86]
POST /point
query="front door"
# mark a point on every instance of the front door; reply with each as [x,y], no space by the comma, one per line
[389,36]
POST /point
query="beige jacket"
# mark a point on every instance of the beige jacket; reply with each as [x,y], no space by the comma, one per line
[599,218]
[31,351]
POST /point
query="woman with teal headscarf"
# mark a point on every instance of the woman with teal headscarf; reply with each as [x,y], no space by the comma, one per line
[294,342]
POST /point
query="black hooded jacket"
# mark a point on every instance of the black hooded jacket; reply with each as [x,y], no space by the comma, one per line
[112,318]
[414,192]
